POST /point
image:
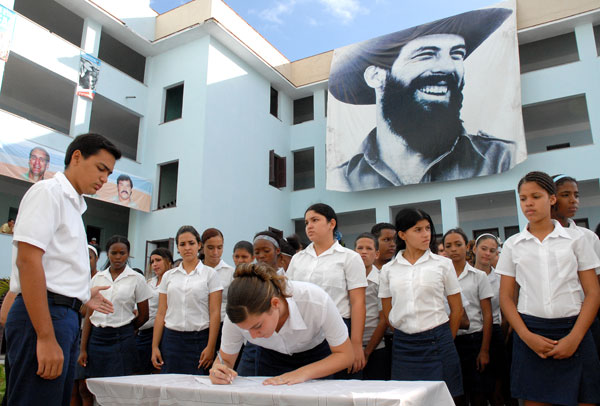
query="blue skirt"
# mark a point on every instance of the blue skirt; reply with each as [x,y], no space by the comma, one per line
[143,343]
[273,363]
[248,361]
[181,351]
[343,374]
[427,356]
[111,352]
[557,381]
[468,347]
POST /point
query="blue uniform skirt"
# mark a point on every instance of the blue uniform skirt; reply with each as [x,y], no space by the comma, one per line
[248,360]
[143,343]
[557,381]
[181,351]
[273,363]
[111,352]
[427,356]
[343,374]
[468,347]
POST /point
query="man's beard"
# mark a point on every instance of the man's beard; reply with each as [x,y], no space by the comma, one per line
[429,128]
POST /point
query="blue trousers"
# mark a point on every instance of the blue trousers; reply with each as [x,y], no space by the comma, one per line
[24,386]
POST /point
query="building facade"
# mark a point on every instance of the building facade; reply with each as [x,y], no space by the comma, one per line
[232,134]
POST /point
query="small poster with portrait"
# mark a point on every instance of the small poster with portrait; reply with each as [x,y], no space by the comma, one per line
[7,27]
[437,102]
[89,70]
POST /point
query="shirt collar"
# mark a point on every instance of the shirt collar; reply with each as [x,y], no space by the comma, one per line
[373,276]
[197,269]
[295,320]
[468,268]
[335,247]
[128,271]
[401,260]
[70,191]
[559,231]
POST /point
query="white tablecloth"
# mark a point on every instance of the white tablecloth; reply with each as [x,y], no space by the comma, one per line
[153,390]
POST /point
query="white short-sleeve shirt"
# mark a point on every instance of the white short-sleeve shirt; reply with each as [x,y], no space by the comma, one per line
[152,303]
[546,271]
[187,297]
[124,292]
[225,272]
[591,238]
[373,306]
[313,317]
[50,219]
[494,280]
[418,291]
[337,270]
[475,287]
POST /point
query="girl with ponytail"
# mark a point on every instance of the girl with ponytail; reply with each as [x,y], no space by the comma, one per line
[298,330]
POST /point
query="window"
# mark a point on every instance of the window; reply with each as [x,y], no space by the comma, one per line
[274,102]
[116,123]
[304,110]
[548,52]
[168,243]
[493,231]
[276,170]
[556,123]
[53,17]
[509,231]
[120,56]
[37,94]
[167,186]
[326,100]
[597,38]
[173,103]
[558,146]
[582,222]
[304,169]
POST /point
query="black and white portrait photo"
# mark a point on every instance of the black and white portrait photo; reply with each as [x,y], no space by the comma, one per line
[436,102]
[89,70]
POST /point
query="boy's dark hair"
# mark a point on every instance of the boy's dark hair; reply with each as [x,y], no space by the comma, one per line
[287,248]
[377,228]
[122,178]
[294,241]
[89,144]
[244,245]
[370,237]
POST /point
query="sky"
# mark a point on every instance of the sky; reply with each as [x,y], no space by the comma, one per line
[302,28]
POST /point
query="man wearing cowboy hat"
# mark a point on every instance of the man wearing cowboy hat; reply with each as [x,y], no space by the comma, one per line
[415,79]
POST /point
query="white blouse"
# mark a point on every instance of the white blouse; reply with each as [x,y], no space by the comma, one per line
[373,305]
[494,280]
[590,237]
[418,291]
[546,271]
[187,297]
[124,292]
[225,272]
[336,270]
[475,287]
[152,303]
[313,317]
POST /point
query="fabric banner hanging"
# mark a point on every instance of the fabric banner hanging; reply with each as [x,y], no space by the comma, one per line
[436,102]
[89,70]
[32,162]
[7,27]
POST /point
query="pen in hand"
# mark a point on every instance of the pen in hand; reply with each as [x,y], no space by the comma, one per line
[225,365]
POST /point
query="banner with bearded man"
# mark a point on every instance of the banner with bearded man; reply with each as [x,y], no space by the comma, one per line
[436,102]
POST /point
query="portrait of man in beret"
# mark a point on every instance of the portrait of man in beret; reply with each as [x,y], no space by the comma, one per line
[415,78]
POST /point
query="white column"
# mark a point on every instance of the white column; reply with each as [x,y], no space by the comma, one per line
[82,107]
[449,214]
[586,44]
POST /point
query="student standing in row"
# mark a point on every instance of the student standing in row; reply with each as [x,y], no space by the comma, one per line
[565,208]
[243,253]
[296,324]
[472,344]
[108,340]
[486,250]
[386,241]
[554,358]
[212,242]
[161,260]
[412,288]
[338,270]
[189,312]
[50,259]
[378,362]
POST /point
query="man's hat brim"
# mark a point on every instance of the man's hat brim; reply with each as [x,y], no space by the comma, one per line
[346,80]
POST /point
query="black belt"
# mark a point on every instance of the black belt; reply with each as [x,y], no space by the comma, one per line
[62,300]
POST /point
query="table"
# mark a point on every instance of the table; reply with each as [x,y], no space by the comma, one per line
[188,390]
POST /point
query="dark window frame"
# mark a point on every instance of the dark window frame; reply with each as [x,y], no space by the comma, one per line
[274,103]
[166,110]
[167,205]
[309,185]
[277,170]
[304,102]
